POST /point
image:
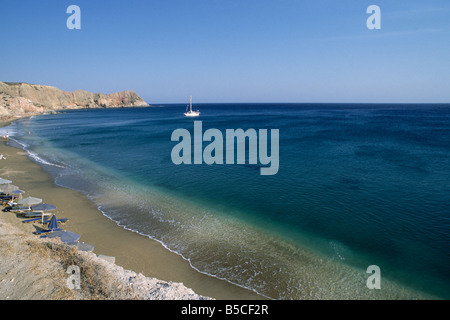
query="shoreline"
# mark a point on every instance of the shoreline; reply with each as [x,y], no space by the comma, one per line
[131,250]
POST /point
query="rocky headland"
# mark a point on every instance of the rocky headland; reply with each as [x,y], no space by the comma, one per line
[19,99]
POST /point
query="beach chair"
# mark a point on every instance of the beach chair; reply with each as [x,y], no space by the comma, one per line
[64,236]
[30,214]
[4,200]
[46,220]
[46,232]
[62,220]
[18,208]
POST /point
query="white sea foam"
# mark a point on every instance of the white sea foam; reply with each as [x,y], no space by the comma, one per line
[34,156]
[37,158]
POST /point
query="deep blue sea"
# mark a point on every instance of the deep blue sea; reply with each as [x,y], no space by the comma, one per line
[358,185]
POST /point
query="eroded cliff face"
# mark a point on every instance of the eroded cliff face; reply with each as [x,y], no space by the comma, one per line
[19,99]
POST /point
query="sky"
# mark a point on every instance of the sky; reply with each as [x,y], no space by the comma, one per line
[233,50]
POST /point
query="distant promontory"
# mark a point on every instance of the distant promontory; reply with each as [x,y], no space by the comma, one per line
[22,99]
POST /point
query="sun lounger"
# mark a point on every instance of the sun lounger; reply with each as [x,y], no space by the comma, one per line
[46,232]
[63,220]
[20,211]
[18,208]
[5,200]
[31,214]
[65,236]
[33,220]
[46,220]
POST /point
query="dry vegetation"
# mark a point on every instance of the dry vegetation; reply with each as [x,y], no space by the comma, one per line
[34,268]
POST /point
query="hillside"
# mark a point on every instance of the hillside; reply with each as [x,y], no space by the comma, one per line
[19,99]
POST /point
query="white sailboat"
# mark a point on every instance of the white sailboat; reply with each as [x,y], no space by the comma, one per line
[191,113]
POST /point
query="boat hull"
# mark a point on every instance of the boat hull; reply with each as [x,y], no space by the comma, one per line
[192,114]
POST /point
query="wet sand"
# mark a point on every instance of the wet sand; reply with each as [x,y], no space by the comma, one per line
[131,250]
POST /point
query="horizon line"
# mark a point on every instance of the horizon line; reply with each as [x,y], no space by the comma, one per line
[278,102]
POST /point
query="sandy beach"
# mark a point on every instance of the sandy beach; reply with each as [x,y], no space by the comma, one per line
[134,254]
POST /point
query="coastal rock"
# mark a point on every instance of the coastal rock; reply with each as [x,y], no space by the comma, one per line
[18,99]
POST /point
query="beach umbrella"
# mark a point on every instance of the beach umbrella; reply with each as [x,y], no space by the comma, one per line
[30,201]
[53,225]
[4,181]
[65,236]
[43,207]
[8,188]
[17,192]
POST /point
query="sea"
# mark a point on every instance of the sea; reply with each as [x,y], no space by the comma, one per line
[358,185]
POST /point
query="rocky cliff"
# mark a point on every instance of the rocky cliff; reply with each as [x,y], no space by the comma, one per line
[19,99]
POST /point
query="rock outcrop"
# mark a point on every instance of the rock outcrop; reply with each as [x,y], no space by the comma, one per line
[19,99]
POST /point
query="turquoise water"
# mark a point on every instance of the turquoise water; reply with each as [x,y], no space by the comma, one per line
[357,185]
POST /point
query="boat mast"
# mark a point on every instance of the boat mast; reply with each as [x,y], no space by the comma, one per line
[190,103]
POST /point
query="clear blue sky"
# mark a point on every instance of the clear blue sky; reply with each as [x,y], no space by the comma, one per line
[233,50]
